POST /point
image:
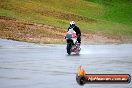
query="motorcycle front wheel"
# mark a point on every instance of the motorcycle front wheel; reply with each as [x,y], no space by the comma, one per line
[69,48]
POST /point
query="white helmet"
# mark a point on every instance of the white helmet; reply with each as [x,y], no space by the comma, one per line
[72,24]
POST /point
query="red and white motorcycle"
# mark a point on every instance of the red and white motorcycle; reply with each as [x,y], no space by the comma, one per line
[72,43]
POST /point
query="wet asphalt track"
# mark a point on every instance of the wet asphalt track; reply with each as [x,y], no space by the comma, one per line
[26,65]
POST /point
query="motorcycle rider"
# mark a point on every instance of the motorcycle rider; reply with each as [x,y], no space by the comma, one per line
[77,30]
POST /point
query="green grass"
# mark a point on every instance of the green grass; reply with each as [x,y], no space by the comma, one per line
[119,11]
[109,17]
[33,17]
[108,28]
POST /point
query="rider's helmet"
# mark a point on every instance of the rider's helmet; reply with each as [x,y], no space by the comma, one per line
[72,24]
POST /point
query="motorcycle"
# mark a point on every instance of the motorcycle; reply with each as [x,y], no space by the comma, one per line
[72,43]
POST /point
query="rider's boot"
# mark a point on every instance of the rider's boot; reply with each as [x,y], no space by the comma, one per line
[76,44]
[79,46]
